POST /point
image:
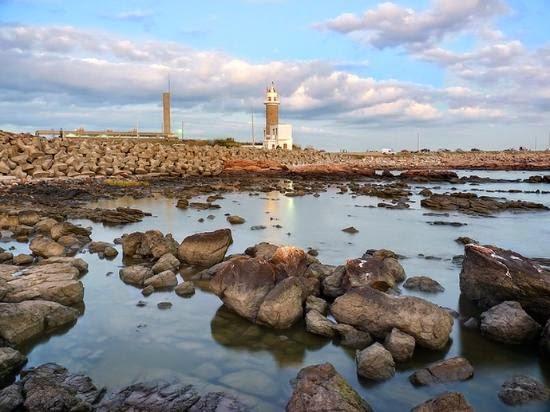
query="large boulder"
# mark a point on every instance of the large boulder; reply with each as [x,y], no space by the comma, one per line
[491,275]
[205,249]
[20,322]
[521,389]
[166,262]
[375,363]
[11,361]
[270,292]
[46,247]
[352,337]
[379,269]
[162,280]
[66,228]
[446,402]
[376,312]
[448,370]
[50,387]
[57,282]
[509,323]
[321,388]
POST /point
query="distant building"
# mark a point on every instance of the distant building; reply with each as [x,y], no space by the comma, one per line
[276,135]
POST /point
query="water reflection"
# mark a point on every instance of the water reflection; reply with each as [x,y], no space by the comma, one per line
[287,347]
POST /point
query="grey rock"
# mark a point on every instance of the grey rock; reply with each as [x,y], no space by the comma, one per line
[11,362]
[375,363]
[318,304]
[135,275]
[509,323]
[351,337]
[446,402]
[205,249]
[521,389]
[400,345]
[166,262]
[318,324]
[453,369]
[185,288]
[423,284]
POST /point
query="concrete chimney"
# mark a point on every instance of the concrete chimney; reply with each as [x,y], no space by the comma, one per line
[166,128]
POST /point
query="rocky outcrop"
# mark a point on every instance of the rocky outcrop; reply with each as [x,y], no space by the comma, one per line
[429,175]
[205,249]
[269,292]
[470,203]
[46,247]
[20,322]
[321,388]
[379,269]
[11,361]
[521,389]
[491,275]
[509,323]
[449,370]
[446,402]
[149,245]
[56,282]
[378,313]
[375,363]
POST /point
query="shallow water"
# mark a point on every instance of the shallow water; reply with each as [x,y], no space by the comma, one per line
[200,342]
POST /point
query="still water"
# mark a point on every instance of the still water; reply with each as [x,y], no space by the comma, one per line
[200,342]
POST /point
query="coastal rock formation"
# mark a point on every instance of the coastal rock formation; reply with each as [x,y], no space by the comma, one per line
[448,401]
[26,320]
[11,361]
[205,249]
[46,247]
[521,389]
[135,275]
[378,313]
[508,323]
[472,204]
[56,282]
[379,269]
[321,388]
[375,363]
[491,275]
[270,292]
[453,369]
[318,324]
[149,245]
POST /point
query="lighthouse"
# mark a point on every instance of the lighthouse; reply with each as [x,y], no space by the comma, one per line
[276,135]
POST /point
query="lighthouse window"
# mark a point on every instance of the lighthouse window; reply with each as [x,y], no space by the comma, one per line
[269,99]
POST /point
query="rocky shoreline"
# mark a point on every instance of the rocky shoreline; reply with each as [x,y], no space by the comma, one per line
[25,157]
[356,303]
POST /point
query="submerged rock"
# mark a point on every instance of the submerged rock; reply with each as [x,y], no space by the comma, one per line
[446,402]
[509,323]
[453,369]
[375,363]
[378,313]
[423,284]
[491,275]
[235,220]
[321,388]
[351,230]
[521,389]
[205,249]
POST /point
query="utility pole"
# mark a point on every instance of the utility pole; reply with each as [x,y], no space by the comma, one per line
[253,135]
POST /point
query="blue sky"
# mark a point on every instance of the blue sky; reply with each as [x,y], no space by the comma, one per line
[353,74]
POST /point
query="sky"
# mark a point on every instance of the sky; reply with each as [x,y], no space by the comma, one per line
[352,74]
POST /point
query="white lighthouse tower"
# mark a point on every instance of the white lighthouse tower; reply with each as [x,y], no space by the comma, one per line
[276,136]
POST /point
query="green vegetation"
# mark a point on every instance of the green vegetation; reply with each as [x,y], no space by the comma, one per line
[125,183]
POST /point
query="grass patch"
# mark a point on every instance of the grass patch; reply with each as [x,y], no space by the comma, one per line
[125,183]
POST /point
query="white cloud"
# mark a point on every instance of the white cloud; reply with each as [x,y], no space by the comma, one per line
[390,25]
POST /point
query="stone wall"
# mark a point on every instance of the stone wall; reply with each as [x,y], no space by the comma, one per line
[23,156]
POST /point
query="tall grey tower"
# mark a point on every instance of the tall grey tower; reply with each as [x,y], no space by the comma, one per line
[166,128]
